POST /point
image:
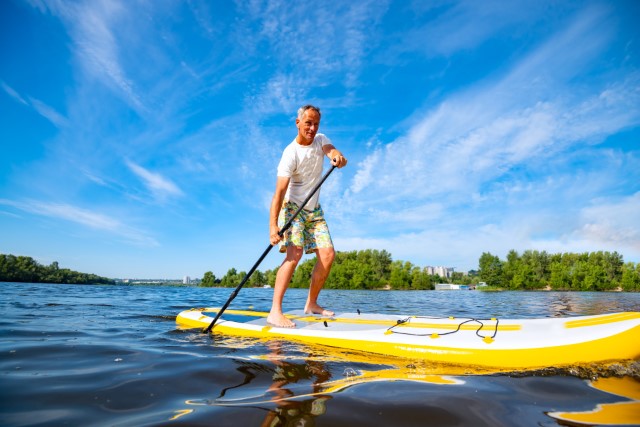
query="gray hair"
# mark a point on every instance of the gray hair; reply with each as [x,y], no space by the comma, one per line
[304,108]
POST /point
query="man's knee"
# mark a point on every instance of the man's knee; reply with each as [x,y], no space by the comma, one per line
[294,254]
[326,256]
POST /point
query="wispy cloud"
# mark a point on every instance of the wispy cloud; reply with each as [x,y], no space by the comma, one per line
[613,223]
[84,217]
[491,166]
[158,185]
[12,93]
[49,113]
[9,214]
[491,125]
[464,25]
[99,50]
[95,42]
[480,134]
[41,108]
[309,53]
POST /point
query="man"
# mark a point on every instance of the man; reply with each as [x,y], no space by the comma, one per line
[300,169]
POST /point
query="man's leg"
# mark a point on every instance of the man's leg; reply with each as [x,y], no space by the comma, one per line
[324,260]
[285,272]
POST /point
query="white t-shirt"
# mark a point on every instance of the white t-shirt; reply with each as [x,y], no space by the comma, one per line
[303,165]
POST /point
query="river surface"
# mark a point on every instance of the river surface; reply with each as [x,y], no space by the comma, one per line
[113,355]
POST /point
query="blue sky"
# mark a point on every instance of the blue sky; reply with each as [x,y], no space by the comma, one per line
[141,138]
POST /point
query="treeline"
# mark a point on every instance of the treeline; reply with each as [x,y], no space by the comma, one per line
[374,269]
[366,269]
[592,271]
[26,269]
[531,270]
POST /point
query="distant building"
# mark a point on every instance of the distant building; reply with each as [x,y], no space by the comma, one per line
[186,280]
[451,287]
[444,272]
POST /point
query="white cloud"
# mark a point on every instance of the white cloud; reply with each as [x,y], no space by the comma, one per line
[281,94]
[84,217]
[160,186]
[12,93]
[96,42]
[99,50]
[613,223]
[491,168]
[438,246]
[365,173]
[43,109]
[308,47]
[458,240]
[465,25]
[478,135]
[49,113]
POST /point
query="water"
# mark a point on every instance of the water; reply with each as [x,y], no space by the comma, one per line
[113,355]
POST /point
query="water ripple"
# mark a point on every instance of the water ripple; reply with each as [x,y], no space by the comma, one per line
[113,355]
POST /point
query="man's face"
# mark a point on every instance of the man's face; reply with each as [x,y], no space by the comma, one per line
[308,126]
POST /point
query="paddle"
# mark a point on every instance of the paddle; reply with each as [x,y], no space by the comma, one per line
[264,254]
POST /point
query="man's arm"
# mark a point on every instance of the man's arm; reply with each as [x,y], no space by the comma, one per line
[333,154]
[276,204]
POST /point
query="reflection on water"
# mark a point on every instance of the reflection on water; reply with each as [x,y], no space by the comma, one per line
[300,386]
[293,384]
[289,392]
[301,410]
[624,412]
[561,306]
[113,355]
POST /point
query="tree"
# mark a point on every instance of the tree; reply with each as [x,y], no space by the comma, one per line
[630,280]
[490,269]
[420,279]
[373,269]
[400,277]
[231,279]
[613,267]
[578,273]
[257,279]
[460,278]
[538,263]
[26,269]
[560,277]
[209,280]
[510,268]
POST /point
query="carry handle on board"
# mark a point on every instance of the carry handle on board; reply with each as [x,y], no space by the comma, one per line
[264,254]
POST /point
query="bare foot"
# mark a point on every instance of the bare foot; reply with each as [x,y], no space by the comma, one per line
[279,321]
[316,309]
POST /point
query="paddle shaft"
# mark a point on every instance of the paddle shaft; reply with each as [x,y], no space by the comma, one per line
[266,251]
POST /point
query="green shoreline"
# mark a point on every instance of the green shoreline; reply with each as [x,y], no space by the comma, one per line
[376,270]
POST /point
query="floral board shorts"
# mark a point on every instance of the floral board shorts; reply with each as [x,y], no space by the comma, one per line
[308,230]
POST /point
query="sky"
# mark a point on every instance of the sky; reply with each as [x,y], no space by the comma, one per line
[140,139]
